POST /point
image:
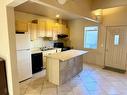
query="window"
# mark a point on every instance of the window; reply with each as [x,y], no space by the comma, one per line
[91,37]
[116,40]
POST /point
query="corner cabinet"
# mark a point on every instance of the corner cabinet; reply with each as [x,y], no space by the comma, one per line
[33,29]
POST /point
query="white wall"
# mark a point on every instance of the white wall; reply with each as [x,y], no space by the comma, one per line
[78,7]
[28,17]
[7,44]
[102,4]
[111,17]
[77,41]
[115,16]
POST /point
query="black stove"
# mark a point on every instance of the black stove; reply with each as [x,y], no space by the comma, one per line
[61,45]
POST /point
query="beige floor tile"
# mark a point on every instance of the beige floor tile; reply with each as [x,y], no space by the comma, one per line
[49,91]
[93,80]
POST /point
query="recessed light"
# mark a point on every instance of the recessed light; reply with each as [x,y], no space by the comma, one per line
[57,16]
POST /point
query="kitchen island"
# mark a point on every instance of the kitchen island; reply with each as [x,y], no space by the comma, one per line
[63,66]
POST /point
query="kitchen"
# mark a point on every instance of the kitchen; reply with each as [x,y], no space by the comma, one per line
[96,26]
[30,39]
[38,37]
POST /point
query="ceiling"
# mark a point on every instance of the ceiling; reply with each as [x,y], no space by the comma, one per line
[39,9]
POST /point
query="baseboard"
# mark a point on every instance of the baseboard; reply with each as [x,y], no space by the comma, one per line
[101,66]
[114,69]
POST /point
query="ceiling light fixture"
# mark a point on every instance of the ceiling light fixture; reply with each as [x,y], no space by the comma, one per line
[98,15]
[57,16]
[62,2]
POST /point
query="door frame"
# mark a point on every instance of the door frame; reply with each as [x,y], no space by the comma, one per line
[106,43]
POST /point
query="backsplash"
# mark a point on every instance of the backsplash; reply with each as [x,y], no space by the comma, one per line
[40,42]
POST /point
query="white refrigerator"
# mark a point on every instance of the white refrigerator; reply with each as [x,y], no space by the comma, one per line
[23,56]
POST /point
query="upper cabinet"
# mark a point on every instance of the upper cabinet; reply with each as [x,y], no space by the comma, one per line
[62,29]
[33,29]
[21,26]
[45,28]
[65,30]
[49,29]
[41,29]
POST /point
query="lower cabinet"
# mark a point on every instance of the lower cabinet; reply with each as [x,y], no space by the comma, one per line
[48,52]
[33,29]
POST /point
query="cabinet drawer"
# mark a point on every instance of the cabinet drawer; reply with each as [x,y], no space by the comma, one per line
[45,53]
[58,50]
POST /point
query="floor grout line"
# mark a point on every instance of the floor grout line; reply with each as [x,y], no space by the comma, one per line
[41,88]
[94,81]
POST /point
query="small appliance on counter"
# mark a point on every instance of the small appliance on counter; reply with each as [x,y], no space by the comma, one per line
[61,45]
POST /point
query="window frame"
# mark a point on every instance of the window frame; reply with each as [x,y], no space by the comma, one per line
[85,38]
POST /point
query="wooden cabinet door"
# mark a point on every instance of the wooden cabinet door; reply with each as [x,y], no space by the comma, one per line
[49,32]
[21,26]
[67,31]
[55,33]
[59,29]
[41,29]
[64,30]
[32,28]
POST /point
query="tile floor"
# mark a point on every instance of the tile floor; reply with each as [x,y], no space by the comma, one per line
[91,81]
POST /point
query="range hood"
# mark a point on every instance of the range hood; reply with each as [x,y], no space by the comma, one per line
[62,36]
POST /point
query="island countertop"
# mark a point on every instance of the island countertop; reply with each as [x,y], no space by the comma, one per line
[66,55]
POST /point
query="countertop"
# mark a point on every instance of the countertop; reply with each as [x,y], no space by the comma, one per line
[34,51]
[63,56]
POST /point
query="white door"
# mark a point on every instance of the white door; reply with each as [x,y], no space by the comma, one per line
[116,47]
[24,64]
